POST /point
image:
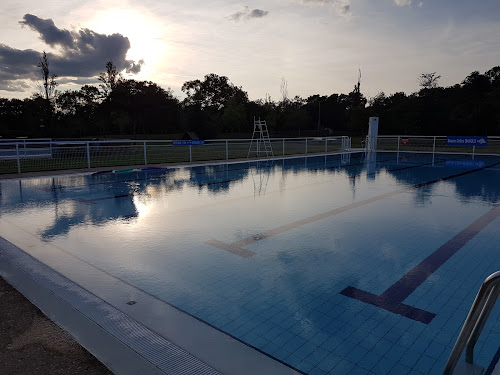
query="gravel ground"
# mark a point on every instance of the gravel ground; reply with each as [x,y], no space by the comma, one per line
[31,344]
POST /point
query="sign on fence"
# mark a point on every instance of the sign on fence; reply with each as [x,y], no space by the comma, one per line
[187,143]
[466,141]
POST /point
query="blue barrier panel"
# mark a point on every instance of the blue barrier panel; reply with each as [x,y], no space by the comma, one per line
[187,143]
[466,141]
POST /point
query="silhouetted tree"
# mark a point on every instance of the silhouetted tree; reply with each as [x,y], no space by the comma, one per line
[110,78]
[428,80]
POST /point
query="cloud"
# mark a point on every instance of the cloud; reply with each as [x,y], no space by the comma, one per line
[248,14]
[342,7]
[402,3]
[81,53]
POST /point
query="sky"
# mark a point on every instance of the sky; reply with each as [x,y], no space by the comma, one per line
[315,46]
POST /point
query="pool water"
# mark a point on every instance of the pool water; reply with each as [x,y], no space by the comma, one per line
[337,264]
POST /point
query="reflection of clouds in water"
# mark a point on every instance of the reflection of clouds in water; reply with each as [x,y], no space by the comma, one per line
[98,199]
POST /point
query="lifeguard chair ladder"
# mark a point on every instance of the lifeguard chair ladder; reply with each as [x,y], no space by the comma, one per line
[260,143]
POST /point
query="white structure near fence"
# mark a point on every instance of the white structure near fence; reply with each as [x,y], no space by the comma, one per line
[27,155]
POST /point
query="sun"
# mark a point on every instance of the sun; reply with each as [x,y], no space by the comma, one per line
[144,31]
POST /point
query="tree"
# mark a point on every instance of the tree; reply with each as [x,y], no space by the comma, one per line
[428,80]
[49,84]
[110,78]
[212,93]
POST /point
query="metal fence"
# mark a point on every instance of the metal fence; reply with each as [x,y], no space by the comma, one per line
[20,156]
[433,144]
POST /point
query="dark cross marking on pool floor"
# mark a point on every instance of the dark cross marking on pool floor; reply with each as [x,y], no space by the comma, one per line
[392,299]
[237,246]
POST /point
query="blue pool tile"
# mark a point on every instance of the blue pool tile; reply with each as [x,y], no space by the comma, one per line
[329,362]
[382,347]
[293,360]
[399,370]
[295,343]
[250,336]
[317,355]
[281,353]
[305,350]
[420,345]
[393,335]
[396,353]
[317,371]
[283,338]
[320,338]
[344,348]
[356,337]
[425,364]
[258,342]
[369,342]
[410,358]
[270,348]
[406,340]
[357,354]
[369,361]
[331,343]
[273,333]
[305,366]
[435,350]
[384,366]
[344,367]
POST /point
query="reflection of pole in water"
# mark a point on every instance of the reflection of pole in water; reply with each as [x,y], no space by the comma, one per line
[371,163]
[260,176]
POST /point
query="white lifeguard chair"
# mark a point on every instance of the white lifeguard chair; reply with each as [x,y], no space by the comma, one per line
[260,144]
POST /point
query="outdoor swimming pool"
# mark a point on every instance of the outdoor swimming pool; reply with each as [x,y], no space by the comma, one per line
[332,264]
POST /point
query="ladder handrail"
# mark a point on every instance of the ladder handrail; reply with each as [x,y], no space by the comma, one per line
[475,321]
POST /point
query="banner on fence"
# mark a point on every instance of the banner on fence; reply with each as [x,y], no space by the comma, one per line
[466,141]
[187,143]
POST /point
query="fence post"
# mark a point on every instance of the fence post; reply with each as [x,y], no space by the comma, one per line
[283,146]
[306,145]
[145,154]
[399,141]
[326,145]
[17,157]
[190,154]
[88,155]
[473,150]
[434,145]
[227,150]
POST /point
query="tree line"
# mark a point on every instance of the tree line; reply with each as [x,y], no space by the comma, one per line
[215,107]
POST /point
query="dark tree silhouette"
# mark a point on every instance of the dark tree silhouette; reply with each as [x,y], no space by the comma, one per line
[110,78]
[428,80]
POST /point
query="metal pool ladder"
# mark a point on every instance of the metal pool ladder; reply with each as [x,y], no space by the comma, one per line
[474,323]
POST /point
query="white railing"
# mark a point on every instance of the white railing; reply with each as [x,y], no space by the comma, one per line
[433,144]
[19,156]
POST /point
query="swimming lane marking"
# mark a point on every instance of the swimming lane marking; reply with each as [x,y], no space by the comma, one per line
[392,299]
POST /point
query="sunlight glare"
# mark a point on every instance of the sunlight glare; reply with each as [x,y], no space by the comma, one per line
[143,30]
